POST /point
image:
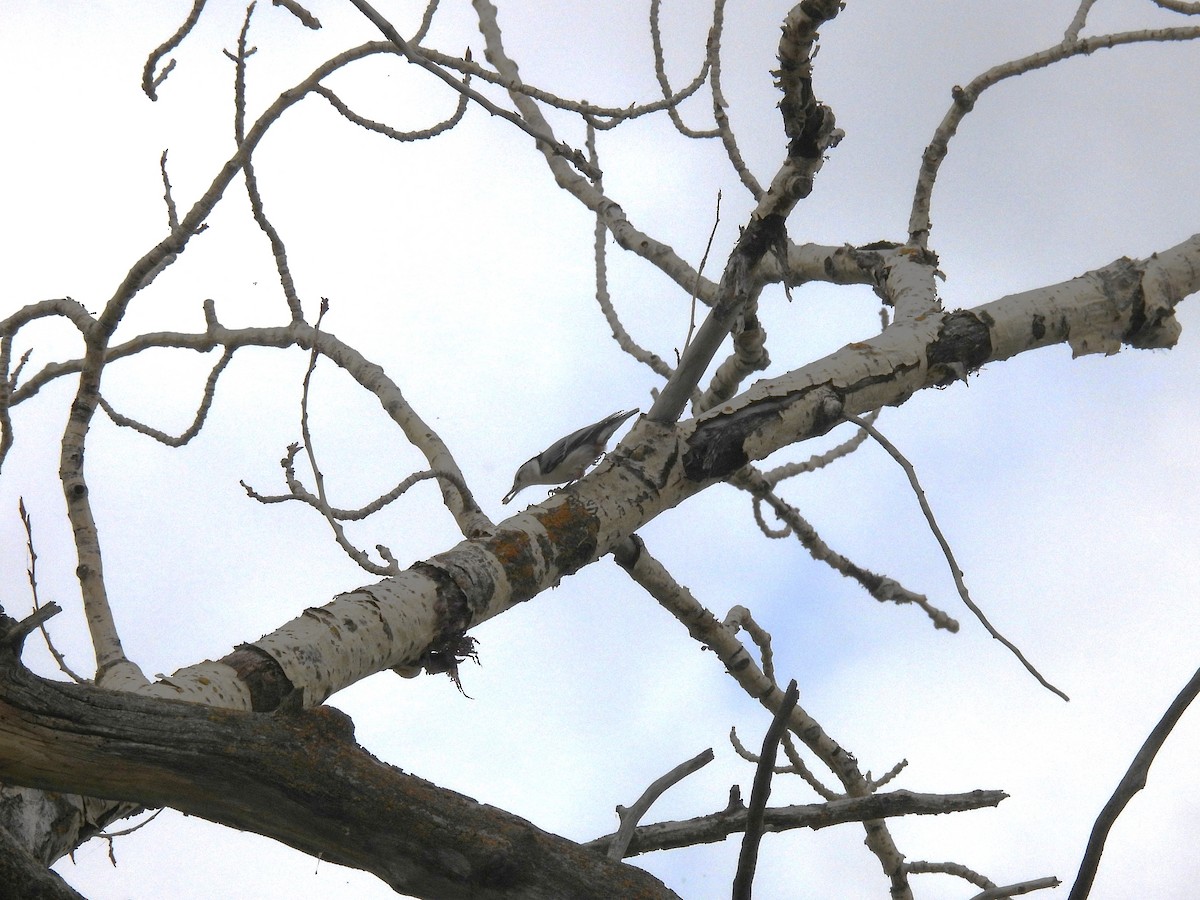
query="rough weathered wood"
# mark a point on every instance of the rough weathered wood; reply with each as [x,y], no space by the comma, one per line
[23,876]
[300,779]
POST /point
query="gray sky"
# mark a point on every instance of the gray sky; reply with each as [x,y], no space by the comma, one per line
[1067,487]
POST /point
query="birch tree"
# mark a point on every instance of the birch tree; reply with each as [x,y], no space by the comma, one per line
[276,337]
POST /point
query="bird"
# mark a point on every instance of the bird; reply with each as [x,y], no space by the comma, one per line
[568,458]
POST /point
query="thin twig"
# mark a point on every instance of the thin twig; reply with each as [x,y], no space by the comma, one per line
[297,491]
[700,272]
[1133,781]
[719,103]
[660,72]
[796,765]
[955,571]
[888,776]
[426,22]
[172,211]
[278,249]
[958,870]
[387,131]
[800,767]
[307,19]
[414,56]
[206,400]
[748,858]
[600,257]
[881,587]
[111,835]
[27,522]
[990,890]
[322,503]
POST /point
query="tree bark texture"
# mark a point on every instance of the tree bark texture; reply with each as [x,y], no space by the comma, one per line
[298,777]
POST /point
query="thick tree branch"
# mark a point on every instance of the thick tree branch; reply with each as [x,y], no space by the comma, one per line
[398,620]
[21,875]
[300,779]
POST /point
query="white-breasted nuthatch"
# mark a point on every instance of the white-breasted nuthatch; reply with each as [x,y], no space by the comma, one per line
[568,458]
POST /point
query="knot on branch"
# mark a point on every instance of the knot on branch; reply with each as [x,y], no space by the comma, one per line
[963,344]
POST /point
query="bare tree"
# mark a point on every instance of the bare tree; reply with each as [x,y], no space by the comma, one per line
[251,739]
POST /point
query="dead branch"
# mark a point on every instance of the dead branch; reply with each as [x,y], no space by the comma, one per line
[743,881]
[150,81]
[955,571]
[966,97]
[630,816]
[874,808]
[576,158]
[300,779]
[1132,782]
[704,627]
[27,524]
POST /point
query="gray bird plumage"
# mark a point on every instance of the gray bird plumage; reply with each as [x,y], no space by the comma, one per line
[569,457]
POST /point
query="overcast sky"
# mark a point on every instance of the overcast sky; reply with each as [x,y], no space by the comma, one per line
[1067,487]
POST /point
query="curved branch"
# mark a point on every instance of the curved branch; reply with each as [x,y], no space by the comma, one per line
[65,307]
[660,71]
[389,132]
[600,239]
[955,571]
[369,376]
[628,237]
[1132,782]
[724,131]
[298,493]
[619,847]
[150,81]
[206,399]
[278,250]
[604,117]
[542,136]
[426,22]
[965,98]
